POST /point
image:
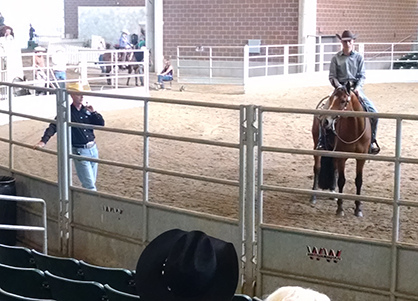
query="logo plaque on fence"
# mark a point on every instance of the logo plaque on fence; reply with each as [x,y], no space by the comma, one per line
[330,255]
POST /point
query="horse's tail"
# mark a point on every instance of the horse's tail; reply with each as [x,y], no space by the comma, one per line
[326,173]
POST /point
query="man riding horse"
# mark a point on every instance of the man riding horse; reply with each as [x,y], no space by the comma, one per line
[348,65]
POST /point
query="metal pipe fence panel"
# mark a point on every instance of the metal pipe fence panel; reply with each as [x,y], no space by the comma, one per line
[107,224]
[368,264]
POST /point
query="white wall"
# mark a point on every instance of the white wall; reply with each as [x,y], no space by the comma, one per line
[46,16]
[109,21]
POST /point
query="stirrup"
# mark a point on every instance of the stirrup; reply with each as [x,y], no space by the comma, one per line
[374,148]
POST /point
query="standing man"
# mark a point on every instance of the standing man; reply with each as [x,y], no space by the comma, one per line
[348,65]
[31,32]
[82,139]
[59,65]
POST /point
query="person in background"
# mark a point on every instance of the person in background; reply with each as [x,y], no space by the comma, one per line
[39,64]
[82,139]
[166,74]
[31,32]
[59,65]
[124,44]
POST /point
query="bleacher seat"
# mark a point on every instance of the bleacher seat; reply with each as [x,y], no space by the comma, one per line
[6,296]
[60,266]
[241,297]
[16,256]
[118,278]
[116,295]
[24,282]
[64,289]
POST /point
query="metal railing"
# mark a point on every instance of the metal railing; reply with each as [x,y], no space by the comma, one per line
[235,65]
[42,228]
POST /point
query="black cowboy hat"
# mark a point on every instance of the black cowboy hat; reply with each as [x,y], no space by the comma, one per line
[346,36]
[187,266]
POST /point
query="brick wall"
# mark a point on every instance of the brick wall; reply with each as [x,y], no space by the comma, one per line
[228,22]
[71,11]
[233,22]
[372,20]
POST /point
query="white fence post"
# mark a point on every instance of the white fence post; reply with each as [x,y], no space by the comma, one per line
[246,65]
[286,59]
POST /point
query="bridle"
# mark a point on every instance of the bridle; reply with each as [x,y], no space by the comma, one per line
[337,117]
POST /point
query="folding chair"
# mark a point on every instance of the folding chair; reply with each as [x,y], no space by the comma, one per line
[116,295]
[6,296]
[16,256]
[64,289]
[24,282]
[60,266]
[119,279]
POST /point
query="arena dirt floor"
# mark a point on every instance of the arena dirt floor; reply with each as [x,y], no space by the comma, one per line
[282,130]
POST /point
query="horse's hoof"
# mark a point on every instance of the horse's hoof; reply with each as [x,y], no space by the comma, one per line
[340,213]
[313,200]
[358,213]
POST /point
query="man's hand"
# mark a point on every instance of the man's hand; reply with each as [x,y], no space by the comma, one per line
[40,144]
[90,108]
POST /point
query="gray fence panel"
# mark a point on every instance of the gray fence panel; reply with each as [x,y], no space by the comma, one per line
[31,214]
[407,271]
[99,249]
[112,216]
[363,264]
[163,219]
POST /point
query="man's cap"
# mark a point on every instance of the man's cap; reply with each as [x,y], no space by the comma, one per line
[125,31]
[78,87]
[187,266]
[346,36]
[39,49]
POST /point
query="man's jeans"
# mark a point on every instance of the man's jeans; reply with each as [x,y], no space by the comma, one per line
[86,170]
[61,75]
[370,108]
[162,78]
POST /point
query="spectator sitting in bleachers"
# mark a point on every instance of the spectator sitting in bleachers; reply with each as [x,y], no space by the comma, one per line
[184,266]
[296,293]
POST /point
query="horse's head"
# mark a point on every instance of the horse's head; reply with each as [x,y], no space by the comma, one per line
[338,101]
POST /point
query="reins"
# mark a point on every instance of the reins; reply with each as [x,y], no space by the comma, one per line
[341,139]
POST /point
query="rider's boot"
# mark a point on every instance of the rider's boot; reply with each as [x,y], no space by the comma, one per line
[374,148]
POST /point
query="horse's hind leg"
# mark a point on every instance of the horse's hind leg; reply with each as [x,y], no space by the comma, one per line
[359,183]
[341,183]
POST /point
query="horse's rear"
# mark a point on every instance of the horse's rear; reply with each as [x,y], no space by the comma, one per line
[350,134]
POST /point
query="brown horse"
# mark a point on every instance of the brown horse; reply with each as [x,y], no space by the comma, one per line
[109,57]
[344,134]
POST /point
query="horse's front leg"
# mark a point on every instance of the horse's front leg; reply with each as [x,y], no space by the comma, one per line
[341,182]
[316,168]
[359,183]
